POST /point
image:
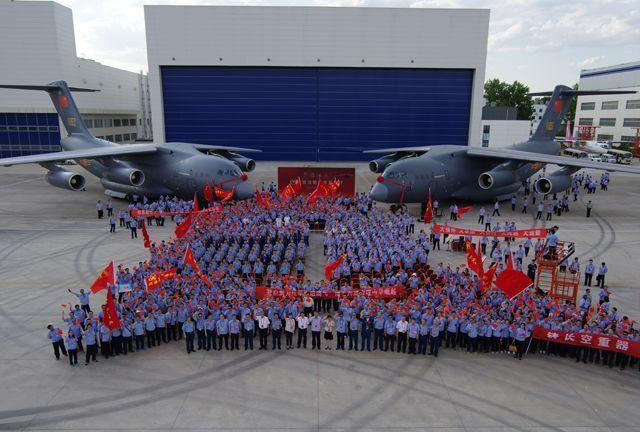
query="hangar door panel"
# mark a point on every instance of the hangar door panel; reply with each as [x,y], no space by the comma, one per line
[362,109]
[325,114]
[272,109]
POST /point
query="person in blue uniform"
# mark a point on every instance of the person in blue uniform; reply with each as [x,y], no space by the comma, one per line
[248,327]
[354,329]
[341,331]
[389,334]
[72,348]
[138,333]
[276,332]
[234,332]
[423,337]
[222,327]
[413,330]
[210,329]
[520,338]
[189,334]
[434,339]
[316,328]
[378,331]
[92,343]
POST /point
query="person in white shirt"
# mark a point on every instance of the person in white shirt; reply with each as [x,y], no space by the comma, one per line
[303,324]
[401,326]
[263,329]
[289,328]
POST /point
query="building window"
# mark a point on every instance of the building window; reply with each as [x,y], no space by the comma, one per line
[604,137]
[627,138]
[588,106]
[118,138]
[486,131]
[116,123]
[108,123]
[88,123]
[134,136]
[633,104]
[631,122]
[585,121]
[610,105]
[140,122]
[97,123]
[109,137]
[607,122]
[127,137]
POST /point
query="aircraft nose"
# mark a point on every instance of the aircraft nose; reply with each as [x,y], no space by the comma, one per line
[244,191]
[379,192]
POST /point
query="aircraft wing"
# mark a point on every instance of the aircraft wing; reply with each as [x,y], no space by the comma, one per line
[525,156]
[225,148]
[400,150]
[90,153]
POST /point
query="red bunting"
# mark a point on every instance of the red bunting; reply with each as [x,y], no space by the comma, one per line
[110,317]
[386,292]
[182,229]
[106,278]
[521,233]
[590,340]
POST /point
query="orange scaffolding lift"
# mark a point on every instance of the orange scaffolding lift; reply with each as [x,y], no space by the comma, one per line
[561,284]
[587,132]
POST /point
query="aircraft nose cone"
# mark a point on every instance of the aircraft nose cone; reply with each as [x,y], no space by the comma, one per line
[244,191]
[379,192]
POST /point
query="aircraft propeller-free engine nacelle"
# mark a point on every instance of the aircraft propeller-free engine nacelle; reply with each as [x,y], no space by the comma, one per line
[65,179]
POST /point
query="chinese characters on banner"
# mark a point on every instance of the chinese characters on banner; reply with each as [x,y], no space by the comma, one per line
[386,292]
[521,233]
[590,340]
[152,213]
[310,176]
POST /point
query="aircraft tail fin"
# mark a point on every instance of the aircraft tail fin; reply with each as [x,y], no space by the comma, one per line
[60,94]
[557,108]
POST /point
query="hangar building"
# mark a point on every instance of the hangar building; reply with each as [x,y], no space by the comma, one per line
[316,83]
[38,46]
[616,118]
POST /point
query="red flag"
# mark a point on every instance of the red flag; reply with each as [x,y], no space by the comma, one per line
[107,277]
[229,195]
[329,268]
[473,260]
[155,280]
[145,236]
[428,213]
[182,229]
[191,260]
[208,193]
[463,210]
[297,186]
[513,282]
[223,195]
[288,192]
[510,261]
[487,278]
[196,206]
[110,317]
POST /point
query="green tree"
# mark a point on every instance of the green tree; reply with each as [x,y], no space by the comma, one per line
[571,112]
[500,93]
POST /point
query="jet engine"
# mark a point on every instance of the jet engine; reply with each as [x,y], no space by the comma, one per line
[244,163]
[65,179]
[552,184]
[496,178]
[379,165]
[125,175]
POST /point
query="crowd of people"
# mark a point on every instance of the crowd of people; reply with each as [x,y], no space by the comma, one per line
[245,245]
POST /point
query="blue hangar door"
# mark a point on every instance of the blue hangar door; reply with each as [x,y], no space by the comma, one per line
[316,114]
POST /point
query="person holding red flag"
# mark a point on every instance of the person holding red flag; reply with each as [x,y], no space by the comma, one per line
[182,229]
[330,268]
[428,213]
[145,236]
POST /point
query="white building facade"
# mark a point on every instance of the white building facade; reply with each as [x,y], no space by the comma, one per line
[38,47]
[503,133]
[616,116]
[316,83]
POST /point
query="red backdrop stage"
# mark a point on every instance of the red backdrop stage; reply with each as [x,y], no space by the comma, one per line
[310,176]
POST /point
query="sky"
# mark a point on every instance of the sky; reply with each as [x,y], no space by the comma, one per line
[538,42]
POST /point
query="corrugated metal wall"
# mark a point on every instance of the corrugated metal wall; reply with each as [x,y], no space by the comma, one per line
[309,114]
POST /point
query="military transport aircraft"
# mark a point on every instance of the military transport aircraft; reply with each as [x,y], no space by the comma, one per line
[480,173]
[175,168]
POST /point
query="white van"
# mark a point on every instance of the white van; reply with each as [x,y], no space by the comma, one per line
[595,158]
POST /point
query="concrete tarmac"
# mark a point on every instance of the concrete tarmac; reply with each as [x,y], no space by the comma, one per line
[50,240]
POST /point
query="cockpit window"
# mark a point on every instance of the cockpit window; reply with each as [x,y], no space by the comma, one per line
[396,175]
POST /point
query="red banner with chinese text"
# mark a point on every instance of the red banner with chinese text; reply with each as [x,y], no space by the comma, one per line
[589,340]
[152,213]
[387,292]
[309,177]
[521,233]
